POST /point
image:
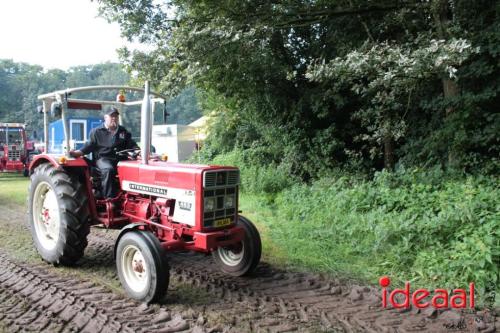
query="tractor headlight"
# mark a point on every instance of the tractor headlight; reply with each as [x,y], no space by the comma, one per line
[229,202]
[209,204]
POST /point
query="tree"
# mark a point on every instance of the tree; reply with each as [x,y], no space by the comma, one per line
[386,77]
[182,109]
[21,83]
[254,55]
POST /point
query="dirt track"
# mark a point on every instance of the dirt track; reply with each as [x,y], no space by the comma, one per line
[40,298]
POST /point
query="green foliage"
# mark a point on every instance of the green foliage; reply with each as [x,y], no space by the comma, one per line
[183,109]
[22,83]
[430,228]
[388,92]
[257,179]
[434,228]
[388,78]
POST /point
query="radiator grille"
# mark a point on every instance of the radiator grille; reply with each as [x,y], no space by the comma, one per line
[14,155]
[210,179]
[221,178]
[233,177]
[220,212]
[220,188]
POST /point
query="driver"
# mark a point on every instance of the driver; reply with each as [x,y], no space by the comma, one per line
[105,141]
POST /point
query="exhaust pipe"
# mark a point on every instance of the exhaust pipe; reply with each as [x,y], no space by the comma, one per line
[146,125]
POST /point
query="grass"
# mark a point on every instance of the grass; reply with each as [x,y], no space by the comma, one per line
[435,231]
[13,188]
[435,228]
[263,216]
[288,247]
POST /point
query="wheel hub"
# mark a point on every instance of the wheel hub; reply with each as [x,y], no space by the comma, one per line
[138,267]
[46,215]
[134,267]
[233,255]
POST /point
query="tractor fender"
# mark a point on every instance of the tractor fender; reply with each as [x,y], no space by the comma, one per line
[40,159]
[124,230]
[67,165]
[54,160]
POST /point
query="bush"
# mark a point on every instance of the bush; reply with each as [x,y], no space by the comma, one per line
[433,228]
[415,226]
[258,179]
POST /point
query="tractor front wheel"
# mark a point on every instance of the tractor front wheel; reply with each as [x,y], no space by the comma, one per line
[142,266]
[242,258]
[58,215]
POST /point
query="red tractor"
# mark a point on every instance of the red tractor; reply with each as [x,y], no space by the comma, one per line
[162,206]
[15,150]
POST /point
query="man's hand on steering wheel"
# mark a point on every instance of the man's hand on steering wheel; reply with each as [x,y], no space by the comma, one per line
[75,153]
[129,153]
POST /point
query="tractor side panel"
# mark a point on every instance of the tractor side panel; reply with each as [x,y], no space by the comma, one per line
[158,180]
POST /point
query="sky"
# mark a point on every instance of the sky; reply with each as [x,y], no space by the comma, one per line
[56,33]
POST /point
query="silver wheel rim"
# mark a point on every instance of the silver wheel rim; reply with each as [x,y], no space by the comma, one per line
[46,216]
[135,269]
[229,257]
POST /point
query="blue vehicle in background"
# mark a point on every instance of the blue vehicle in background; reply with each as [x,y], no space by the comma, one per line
[79,130]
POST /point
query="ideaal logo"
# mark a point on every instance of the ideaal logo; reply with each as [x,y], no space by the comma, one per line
[440,298]
[185,205]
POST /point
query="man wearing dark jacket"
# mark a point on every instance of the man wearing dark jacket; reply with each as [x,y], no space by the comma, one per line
[104,142]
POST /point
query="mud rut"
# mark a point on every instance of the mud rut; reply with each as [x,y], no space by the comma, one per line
[36,298]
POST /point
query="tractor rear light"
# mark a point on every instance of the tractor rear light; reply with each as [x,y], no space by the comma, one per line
[164,157]
[62,160]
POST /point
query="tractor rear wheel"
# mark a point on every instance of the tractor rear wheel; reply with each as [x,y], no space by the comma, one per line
[142,266]
[58,215]
[242,258]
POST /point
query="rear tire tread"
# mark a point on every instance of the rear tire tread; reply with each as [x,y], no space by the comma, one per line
[73,210]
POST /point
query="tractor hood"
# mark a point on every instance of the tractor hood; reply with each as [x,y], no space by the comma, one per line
[160,174]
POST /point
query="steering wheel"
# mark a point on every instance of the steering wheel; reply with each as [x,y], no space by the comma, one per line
[130,153]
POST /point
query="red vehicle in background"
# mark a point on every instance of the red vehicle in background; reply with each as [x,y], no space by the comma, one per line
[15,150]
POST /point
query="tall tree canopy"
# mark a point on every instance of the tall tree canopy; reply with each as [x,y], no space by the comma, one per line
[21,83]
[344,82]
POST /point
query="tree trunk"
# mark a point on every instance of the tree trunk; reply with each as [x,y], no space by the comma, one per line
[441,13]
[388,153]
[450,89]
